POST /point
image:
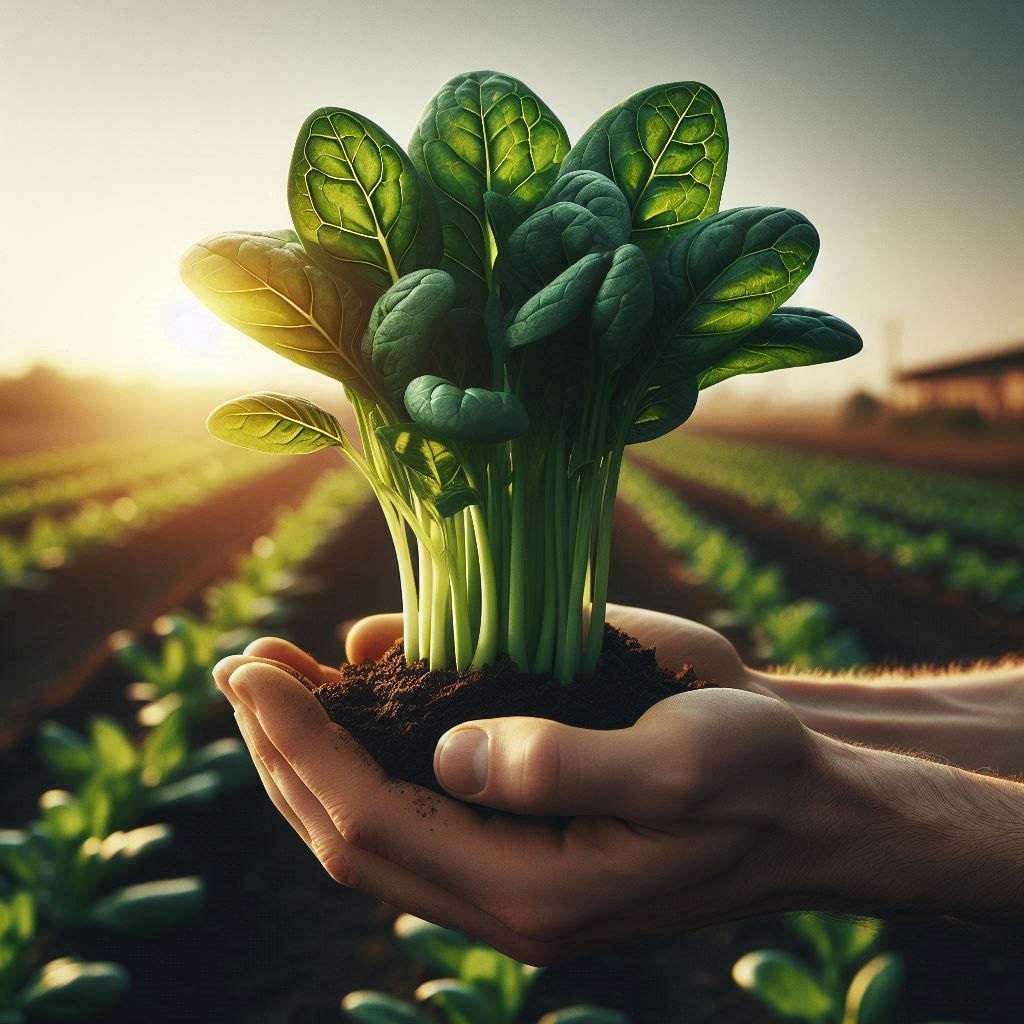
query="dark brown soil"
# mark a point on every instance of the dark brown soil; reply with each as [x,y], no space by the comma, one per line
[398,712]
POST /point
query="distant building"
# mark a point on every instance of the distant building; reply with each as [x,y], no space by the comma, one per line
[991,385]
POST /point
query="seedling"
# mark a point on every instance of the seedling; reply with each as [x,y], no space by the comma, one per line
[507,313]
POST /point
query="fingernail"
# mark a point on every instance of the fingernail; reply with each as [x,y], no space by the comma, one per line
[462,761]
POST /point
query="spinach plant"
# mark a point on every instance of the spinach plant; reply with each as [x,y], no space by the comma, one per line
[506,314]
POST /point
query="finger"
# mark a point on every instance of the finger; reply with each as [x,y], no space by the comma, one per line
[244,718]
[226,666]
[369,638]
[275,649]
[539,767]
[440,840]
[366,871]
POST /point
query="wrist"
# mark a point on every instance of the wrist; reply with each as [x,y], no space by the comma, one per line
[892,834]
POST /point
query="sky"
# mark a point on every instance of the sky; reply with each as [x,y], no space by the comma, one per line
[132,128]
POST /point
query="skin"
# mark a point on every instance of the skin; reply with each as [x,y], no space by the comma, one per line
[716,804]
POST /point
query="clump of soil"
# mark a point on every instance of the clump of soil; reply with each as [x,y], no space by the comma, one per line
[398,712]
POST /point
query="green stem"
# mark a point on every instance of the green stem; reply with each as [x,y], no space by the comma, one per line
[599,609]
[487,644]
[517,575]
[457,583]
[426,576]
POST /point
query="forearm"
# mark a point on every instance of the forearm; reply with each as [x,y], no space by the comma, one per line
[974,719]
[901,835]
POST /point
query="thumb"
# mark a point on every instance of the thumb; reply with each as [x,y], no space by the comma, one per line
[538,767]
[370,637]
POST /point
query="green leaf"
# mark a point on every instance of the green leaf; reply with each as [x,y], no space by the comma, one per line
[275,424]
[67,754]
[504,215]
[874,991]
[72,989]
[114,749]
[484,132]
[663,408]
[597,193]
[783,985]
[623,306]
[723,278]
[473,414]
[584,1014]
[126,847]
[198,788]
[432,945]
[792,336]
[452,501]
[434,466]
[666,148]
[548,242]
[834,938]
[359,205]
[226,758]
[495,975]
[461,1003]
[164,749]
[366,1007]
[399,333]
[150,907]
[264,284]
[557,304]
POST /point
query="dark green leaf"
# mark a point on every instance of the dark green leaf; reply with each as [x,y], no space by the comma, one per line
[783,985]
[227,758]
[666,148]
[557,304]
[874,991]
[125,847]
[792,336]
[454,500]
[276,424]
[71,989]
[548,242]
[365,1007]
[836,938]
[67,754]
[717,282]
[198,788]
[495,975]
[399,332]
[663,408]
[504,215]
[265,285]
[600,195]
[433,465]
[473,414]
[432,945]
[623,306]
[484,132]
[461,1003]
[584,1014]
[358,204]
[150,907]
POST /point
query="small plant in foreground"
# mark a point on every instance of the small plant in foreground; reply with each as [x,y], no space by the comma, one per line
[507,314]
[484,986]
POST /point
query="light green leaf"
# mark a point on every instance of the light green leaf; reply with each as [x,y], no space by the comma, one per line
[584,1014]
[597,193]
[264,284]
[164,749]
[623,306]
[717,282]
[150,907]
[358,204]
[460,1003]
[125,847]
[473,414]
[72,989]
[115,752]
[67,754]
[434,466]
[432,945]
[874,991]
[557,304]
[496,975]
[663,408]
[666,148]
[783,985]
[484,132]
[398,336]
[836,938]
[548,242]
[275,424]
[366,1007]
[792,336]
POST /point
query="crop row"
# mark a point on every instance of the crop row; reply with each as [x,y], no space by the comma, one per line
[21,500]
[16,469]
[49,541]
[58,872]
[802,488]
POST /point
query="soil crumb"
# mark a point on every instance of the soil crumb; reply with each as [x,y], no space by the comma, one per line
[398,712]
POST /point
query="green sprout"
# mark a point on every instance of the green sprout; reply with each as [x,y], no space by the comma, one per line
[507,313]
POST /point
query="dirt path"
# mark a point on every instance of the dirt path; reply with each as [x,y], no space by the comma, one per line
[54,639]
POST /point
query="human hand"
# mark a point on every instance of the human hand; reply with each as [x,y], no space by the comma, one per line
[706,809]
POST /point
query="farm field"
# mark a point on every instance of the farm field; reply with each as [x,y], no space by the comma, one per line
[126,626]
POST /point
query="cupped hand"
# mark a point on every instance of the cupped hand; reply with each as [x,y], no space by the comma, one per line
[699,812]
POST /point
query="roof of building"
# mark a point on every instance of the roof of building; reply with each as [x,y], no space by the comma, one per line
[1010,357]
